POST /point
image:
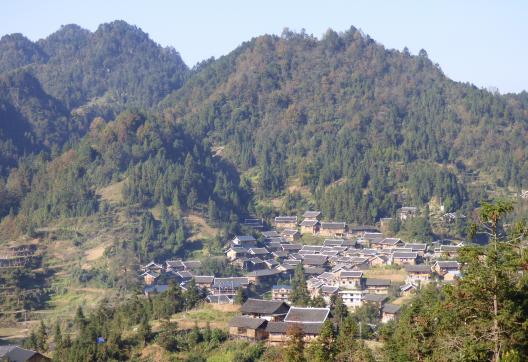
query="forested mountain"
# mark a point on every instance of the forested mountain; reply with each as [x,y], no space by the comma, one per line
[364,127]
[52,89]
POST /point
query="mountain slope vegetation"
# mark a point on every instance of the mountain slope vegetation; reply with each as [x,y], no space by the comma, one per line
[353,121]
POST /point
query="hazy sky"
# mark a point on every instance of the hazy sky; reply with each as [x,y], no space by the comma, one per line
[482,42]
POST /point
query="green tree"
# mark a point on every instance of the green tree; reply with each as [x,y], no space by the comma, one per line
[294,349]
[42,337]
[338,309]
[299,295]
[324,347]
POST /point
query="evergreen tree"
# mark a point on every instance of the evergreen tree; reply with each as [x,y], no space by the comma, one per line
[324,348]
[294,349]
[42,337]
[299,295]
[338,309]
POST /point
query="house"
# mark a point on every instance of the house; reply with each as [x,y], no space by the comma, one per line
[310,226]
[203,281]
[418,248]
[357,231]
[228,286]
[308,320]
[291,234]
[449,269]
[389,312]
[258,252]
[246,241]
[192,264]
[332,229]
[312,215]
[254,223]
[407,213]
[270,310]
[12,353]
[263,276]
[326,291]
[374,299]
[447,251]
[378,260]
[378,286]
[155,289]
[418,274]
[333,242]
[352,298]
[150,277]
[314,260]
[236,252]
[174,265]
[270,234]
[385,224]
[291,248]
[281,292]
[404,258]
[152,266]
[390,243]
[248,328]
[286,222]
[350,279]
[407,289]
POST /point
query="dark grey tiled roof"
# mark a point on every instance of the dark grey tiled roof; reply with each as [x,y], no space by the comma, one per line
[420,268]
[247,322]
[378,298]
[269,307]
[391,308]
[282,327]
[377,282]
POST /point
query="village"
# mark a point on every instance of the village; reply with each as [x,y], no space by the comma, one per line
[346,265]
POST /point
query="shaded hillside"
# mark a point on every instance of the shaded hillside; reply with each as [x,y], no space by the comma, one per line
[353,121]
[51,90]
[30,119]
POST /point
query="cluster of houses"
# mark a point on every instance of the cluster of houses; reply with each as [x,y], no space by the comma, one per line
[337,267]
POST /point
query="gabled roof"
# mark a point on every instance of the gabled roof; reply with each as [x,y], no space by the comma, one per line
[329,289]
[314,259]
[369,282]
[351,274]
[390,241]
[244,238]
[247,322]
[263,273]
[309,223]
[291,247]
[234,282]
[285,219]
[16,354]
[391,308]
[375,298]
[364,228]
[412,255]
[333,225]
[420,268]
[264,307]
[270,234]
[333,242]
[290,232]
[174,264]
[192,264]
[311,214]
[312,248]
[448,264]
[307,315]
[151,265]
[282,327]
[258,251]
[407,287]
[184,274]
[203,279]
[416,246]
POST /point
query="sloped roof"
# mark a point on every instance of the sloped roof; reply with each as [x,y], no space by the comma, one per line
[391,308]
[270,234]
[377,298]
[400,255]
[420,268]
[282,327]
[260,306]
[369,282]
[311,214]
[333,225]
[285,219]
[203,279]
[247,322]
[16,354]
[309,222]
[307,315]
[351,274]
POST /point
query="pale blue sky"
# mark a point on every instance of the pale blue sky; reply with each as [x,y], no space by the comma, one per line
[482,42]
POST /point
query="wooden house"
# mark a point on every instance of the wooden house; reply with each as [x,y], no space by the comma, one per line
[404,258]
[312,215]
[350,279]
[310,226]
[418,274]
[333,229]
[249,328]
[286,222]
[281,292]
[377,286]
[270,310]
[291,234]
[389,312]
